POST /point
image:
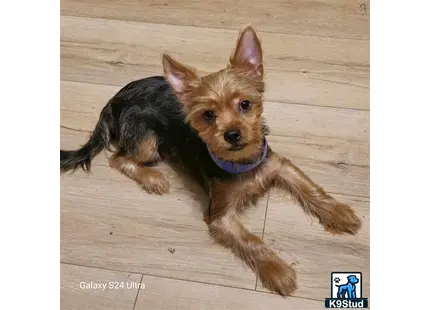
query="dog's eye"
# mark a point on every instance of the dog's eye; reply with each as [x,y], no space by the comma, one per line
[244,105]
[209,116]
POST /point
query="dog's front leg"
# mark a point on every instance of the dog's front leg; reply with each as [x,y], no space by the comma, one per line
[227,230]
[336,217]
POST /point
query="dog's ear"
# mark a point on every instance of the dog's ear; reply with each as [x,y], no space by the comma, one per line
[248,54]
[180,77]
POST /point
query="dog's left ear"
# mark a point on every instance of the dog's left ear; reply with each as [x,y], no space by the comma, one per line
[180,77]
[248,54]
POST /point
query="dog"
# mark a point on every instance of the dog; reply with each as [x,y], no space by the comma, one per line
[212,126]
[348,288]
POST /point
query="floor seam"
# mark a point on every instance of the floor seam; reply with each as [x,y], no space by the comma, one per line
[262,233]
[138,291]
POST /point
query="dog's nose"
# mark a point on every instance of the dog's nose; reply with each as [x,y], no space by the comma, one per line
[232,136]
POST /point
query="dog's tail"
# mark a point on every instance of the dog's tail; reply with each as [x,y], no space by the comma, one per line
[82,157]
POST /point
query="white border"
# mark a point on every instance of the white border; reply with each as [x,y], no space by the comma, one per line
[400,135]
[30,193]
[400,154]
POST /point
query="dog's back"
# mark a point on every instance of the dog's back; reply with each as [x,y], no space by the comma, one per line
[142,108]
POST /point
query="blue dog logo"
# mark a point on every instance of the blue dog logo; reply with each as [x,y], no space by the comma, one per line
[346,291]
[347,288]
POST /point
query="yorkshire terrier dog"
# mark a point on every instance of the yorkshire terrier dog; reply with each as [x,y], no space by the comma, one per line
[212,126]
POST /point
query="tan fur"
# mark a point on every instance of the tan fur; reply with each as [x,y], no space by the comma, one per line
[228,198]
[148,151]
[273,272]
[221,93]
[151,179]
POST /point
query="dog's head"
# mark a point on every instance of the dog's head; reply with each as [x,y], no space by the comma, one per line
[225,107]
[352,279]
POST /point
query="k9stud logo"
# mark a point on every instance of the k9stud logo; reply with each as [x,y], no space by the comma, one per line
[346,290]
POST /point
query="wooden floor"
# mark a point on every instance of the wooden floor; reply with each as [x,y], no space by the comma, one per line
[317,105]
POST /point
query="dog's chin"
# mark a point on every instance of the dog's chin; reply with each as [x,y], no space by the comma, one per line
[240,153]
[237,148]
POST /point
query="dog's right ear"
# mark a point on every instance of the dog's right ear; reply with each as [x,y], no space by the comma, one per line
[248,53]
[180,77]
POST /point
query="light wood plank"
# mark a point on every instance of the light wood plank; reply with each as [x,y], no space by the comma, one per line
[329,144]
[333,152]
[283,51]
[300,69]
[119,291]
[108,221]
[315,253]
[349,19]
[167,294]
[309,121]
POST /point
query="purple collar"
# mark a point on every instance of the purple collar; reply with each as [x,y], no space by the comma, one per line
[235,168]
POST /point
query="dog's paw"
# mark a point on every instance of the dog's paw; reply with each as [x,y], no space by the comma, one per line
[277,276]
[156,182]
[342,220]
